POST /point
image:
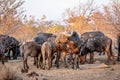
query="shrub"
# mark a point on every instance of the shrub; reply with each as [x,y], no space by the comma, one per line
[8,73]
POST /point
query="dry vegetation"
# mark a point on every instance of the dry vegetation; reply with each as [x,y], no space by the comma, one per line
[10,73]
[83,18]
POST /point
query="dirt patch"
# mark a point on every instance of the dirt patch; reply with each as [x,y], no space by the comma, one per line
[111,73]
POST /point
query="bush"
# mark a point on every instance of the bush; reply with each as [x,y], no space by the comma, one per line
[8,73]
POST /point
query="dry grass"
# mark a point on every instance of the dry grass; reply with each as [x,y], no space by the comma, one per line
[8,73]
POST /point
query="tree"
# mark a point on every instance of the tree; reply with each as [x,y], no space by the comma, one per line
[11,13]
[57,28]
[79,17]
[112,14]
[43,24]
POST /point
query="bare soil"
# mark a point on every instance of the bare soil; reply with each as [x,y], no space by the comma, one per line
[111,73]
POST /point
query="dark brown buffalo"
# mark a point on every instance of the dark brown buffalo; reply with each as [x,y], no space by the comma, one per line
[99,44]
[48,49]
[10,44]
[30,49]
[85,36]
[68,44]
[118,43]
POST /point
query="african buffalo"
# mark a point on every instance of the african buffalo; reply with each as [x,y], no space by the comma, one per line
[68,43]
[99,44]
[30,49]
[48,49]
[10,44]
[85,36]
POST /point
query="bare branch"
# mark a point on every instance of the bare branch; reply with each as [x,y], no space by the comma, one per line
[10,12]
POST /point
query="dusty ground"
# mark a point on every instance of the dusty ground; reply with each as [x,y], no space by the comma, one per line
[112,73]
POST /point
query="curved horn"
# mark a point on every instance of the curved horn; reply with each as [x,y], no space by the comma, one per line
[68,33]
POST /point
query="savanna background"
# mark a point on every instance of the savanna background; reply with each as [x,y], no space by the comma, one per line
[81,18]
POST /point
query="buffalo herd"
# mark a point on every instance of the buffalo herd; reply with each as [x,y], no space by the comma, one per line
[66,47]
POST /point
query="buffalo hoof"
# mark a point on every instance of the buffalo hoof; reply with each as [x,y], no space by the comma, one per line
[14,57]
[118,59]
[24,70]
[34,63]
[40,66]
[37,66]
[27,67]
[55,63]
[66,66]
[43,67]
[91,62]
[57,66]
[75,67]
[107,62]
[72,67]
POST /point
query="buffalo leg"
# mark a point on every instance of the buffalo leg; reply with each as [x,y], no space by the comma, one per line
[113,59]
[44,63]
[70,60]
[44,60]
[73,61]
[8,53]
[64,59]
[40,60]
[34,61]
[57,59]
[77,61]
[37,62]
[24,67]
[118,57]
[49,62]
[91,58]
[82,59]
[108,55]
[14,53]
[86,59]
[43,57]
[2,59]
[26,64]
